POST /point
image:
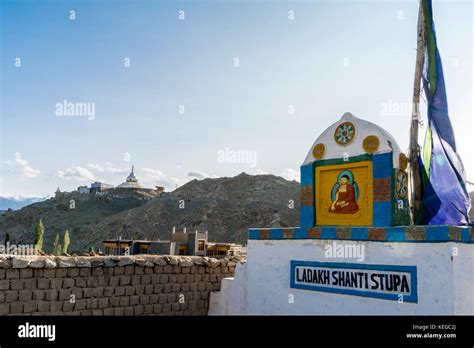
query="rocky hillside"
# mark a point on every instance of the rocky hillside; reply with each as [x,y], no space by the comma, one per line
[75,212]
[226,207]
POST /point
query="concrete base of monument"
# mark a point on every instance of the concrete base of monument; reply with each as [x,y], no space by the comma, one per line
[350,277]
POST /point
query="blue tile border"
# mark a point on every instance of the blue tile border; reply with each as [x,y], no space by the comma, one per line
[429,234]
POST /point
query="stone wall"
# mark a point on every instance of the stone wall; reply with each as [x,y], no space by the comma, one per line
[122,285]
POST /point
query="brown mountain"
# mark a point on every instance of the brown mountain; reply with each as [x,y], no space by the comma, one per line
[225,207]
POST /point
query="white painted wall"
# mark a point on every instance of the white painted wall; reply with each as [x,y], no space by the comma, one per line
[262,287]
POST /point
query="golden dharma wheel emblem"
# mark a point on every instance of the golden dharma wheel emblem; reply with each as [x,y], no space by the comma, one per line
[344,133]
[371,144]
[403,161]
[401,184]
[319,150]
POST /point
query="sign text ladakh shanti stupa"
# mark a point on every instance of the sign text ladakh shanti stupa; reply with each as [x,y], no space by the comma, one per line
[380,232]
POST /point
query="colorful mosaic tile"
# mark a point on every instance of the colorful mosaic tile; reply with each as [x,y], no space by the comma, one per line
[403,234]
[306,195]
[415,233]
[454,234]
[377,234]
[314,232]
[287,233]
[264,234]
[382,189]
[343,233]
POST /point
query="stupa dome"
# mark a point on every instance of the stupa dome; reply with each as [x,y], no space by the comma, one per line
[352,136]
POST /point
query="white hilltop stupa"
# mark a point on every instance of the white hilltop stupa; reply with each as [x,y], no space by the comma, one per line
[131,182]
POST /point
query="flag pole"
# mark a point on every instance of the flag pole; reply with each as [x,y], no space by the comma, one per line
[415,179]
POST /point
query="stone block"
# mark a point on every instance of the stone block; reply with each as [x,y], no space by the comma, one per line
[92,282]
[64,294]
[129,290]
[56,283]
[87,292]
[97,272]
[114,281]
[16,308]
[11,296]
[13,273]
[144,299]
[138,310]
[135,280]
[134,300]
[26,273]
[85,272]
[81,282]
[68,283]
[51,295]
[153,298]
[157,308]
[125,279]
[148,289]
[148,309]
[4,309]
[103,302]
[4,284]
[139,289]
[25,295]
[114,301]
[119,311]
[124,301]
[16,284]
[61,273]
[73,272]
[108,311]
[92,303]
[38,295]
[98,292]
[162,298]
[44,306]
[167,308]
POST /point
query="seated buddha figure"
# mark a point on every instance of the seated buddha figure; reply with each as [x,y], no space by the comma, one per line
[345,200]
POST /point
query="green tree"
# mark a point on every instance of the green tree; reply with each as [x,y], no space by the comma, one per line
[66,242]
[57,245]
[39,232]
[7,239]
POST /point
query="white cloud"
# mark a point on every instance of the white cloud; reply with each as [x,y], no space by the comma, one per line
[108,168]
[290,174]
[260,172]
[76,173]
[154,177]
[23,168]
[196,174]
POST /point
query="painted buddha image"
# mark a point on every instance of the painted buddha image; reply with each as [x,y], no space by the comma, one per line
[344,194]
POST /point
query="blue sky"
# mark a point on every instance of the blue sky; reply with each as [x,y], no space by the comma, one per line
[333,57]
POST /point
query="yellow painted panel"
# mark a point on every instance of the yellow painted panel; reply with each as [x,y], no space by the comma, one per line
[336,189]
